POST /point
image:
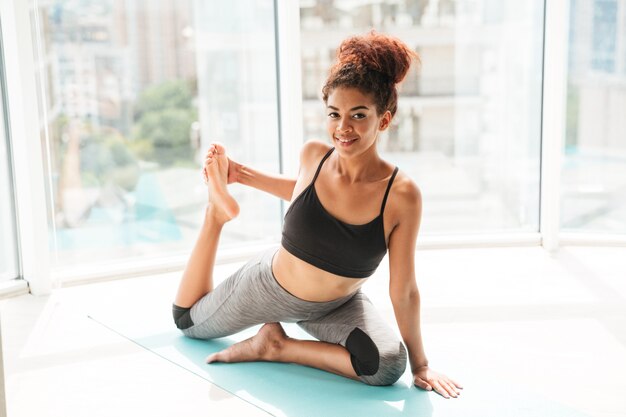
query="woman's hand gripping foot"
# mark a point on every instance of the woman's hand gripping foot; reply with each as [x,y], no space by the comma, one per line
[215,172]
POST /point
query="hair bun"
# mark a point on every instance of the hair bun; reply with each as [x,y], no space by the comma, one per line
[376,52]
[373,63]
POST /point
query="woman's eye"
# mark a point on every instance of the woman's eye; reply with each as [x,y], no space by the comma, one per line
[357,116]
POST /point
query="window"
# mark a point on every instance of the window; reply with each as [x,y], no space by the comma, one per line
[132,93]
[9,267]
[468,125]
[593,185]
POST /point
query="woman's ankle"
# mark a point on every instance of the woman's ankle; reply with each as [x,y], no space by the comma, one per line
[215,215]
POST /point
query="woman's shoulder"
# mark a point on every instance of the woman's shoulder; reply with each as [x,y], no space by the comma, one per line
[405,195]
[312,151]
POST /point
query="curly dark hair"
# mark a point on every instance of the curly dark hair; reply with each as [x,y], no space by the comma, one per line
[373,63]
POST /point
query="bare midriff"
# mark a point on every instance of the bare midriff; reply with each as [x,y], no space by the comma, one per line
[308,282]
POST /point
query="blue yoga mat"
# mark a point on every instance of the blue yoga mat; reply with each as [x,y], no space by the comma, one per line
[298,391]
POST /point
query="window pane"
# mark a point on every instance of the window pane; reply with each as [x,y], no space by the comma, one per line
[468,124]
[593,188]
[8,248]
[133,93]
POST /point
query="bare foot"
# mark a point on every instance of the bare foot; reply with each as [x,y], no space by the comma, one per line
[215,173]
[264,346]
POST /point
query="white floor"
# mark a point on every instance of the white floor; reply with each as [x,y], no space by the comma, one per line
[552,324]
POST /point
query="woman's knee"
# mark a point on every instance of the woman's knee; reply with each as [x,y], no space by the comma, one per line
[182,317]
[391,368]
[374,365]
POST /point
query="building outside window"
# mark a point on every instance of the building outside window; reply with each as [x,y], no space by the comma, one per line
[468,126]
[131,95]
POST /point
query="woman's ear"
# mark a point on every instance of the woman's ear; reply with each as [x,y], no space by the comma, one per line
[385,121]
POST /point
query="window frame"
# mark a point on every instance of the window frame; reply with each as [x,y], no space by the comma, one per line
[554,100]
[13,273]
[27,157]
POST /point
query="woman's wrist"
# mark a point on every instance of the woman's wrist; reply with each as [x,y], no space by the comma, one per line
[238,173]
[417,364]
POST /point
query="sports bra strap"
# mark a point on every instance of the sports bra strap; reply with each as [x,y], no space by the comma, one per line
[319,167]
[393,176]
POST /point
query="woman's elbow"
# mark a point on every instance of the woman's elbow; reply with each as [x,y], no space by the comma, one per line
[404,296]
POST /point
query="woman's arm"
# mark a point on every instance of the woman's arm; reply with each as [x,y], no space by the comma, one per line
[277,184]
[403,290]
[402,284]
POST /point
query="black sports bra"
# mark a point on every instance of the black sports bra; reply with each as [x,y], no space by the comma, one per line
[312,234]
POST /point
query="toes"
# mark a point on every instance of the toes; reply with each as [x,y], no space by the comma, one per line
[205,175]
[208,160]
[218,147]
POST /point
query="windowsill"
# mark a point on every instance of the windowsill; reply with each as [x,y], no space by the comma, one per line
[13,288]
[84,274]
[92,273]
[592,239]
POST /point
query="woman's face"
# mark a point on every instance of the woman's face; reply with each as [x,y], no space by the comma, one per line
[351,120]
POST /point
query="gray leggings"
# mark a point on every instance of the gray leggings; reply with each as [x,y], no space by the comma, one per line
[252,296]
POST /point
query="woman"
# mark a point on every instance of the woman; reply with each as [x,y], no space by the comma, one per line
[348,208]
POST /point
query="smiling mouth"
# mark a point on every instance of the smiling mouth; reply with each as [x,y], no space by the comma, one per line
[345,140]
